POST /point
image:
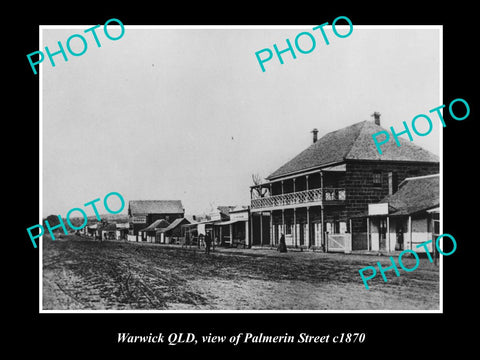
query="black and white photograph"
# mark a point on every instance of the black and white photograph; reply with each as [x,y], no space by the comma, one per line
[243,189]
[216,184]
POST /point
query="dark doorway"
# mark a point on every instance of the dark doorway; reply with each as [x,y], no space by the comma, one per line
[382,232]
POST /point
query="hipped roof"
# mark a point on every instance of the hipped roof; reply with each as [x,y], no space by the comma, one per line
[354,142]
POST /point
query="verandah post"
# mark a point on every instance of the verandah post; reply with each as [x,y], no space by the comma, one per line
[295,226]
[325,247]
[410,230]
[388,234]
[369,246]
[261,228]
[271,228]
[294,233]
[307,237]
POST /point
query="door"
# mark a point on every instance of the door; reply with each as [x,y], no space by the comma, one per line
[382,233]
[303,228]
[276,234]
[399,231]
[317,236]
[301,234]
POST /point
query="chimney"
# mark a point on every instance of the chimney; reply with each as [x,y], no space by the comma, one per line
[376,117]
[315,132]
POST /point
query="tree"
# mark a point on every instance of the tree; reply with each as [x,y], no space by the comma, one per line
[257,180]
[52,220]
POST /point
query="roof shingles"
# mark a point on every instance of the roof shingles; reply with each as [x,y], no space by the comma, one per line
[353,142]
[415,195]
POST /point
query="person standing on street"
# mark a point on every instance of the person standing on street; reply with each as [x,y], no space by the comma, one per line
[208,243]
[282,247]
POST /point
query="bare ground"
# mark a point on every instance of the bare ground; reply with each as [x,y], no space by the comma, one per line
[80,274]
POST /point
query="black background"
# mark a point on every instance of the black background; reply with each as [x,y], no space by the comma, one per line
[64,335]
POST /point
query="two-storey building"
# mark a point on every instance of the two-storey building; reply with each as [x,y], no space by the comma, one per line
[313,198]
[143,213]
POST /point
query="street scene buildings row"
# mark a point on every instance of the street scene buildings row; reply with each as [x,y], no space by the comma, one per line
[339,194]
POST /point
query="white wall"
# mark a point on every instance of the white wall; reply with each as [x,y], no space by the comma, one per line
[420,234]
[247,237]
[375,238]
[289,240]
[393,233]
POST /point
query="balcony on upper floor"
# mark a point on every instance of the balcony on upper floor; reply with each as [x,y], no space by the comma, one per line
[313,197]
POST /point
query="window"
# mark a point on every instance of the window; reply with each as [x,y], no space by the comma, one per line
[336,227]
[377,178]
[288,229]
[318,233]
[436,227]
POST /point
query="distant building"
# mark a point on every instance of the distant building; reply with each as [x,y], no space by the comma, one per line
[239,228]
[314,199]
[148,234]
[121,231]
[226,225]
[91,230]
[106,231]
[143,213]
[215,225]
[173,233]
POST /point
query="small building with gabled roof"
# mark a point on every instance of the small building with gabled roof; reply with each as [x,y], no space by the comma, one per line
[173,233]
[143,213]
[150,231]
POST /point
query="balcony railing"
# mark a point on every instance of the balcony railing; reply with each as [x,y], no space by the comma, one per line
[301,197]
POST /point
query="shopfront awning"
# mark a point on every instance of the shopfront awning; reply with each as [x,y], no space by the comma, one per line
[231,222]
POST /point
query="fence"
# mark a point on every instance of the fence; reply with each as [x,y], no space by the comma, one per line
[339,243]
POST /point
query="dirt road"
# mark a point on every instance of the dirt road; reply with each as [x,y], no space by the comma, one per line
[85,274]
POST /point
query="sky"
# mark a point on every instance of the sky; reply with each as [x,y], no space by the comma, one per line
[168,113]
